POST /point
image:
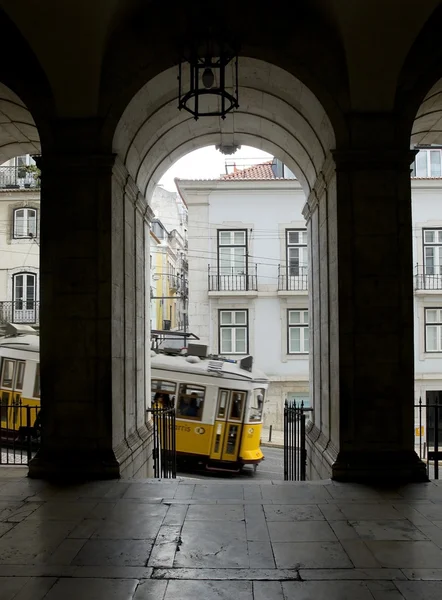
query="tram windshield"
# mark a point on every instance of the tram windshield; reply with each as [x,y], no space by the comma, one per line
[257,404]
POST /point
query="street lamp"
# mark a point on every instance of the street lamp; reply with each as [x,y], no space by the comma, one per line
[205,94]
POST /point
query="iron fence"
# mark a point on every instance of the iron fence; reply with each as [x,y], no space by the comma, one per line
[18,178]
[230,280]
[295,452]
[20,311]
[164,442]
[292,280]
[429,434]
[427,278]
[20,433]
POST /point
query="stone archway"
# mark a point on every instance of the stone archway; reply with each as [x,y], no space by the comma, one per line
[277,113]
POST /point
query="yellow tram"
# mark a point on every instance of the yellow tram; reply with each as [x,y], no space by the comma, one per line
[219,405]
[19,380]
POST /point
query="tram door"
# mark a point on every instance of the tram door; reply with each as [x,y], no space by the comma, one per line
[228,425]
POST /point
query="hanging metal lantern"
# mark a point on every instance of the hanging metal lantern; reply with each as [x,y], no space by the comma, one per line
[213,69]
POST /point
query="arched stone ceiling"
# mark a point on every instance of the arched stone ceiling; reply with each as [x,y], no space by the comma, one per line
[427,126]
[18,133]
[277,113]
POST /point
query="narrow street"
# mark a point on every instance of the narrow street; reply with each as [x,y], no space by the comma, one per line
[272,468]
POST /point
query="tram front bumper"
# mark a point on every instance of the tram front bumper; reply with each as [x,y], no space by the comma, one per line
[250,457]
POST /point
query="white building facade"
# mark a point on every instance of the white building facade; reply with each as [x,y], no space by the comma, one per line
[427,254]
[248,279]
[19,242]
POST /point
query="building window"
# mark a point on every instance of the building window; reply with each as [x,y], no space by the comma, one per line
[298,333]
[232,252]
[25,223]
[296,248]
[433,330]
[233,331]
[428,163]
[432,251]
[25,291]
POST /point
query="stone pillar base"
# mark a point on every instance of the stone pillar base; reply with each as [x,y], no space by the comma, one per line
[379,467]
[74,465]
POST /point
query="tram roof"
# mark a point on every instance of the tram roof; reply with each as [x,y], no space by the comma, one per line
[207,366]
[30,342]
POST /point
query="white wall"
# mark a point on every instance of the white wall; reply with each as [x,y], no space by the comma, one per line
[16,255]
[266,209]
[427,212]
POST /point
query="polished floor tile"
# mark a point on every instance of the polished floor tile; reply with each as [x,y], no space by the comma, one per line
[93,589]
[161,540]
[114,552]
[301,531]
[310,555]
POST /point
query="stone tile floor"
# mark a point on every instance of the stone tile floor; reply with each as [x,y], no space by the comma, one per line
[189,539]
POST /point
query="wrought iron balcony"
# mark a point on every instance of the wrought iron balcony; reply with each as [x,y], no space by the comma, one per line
[427,278]
[231,280]
[16,178]
[292,279]
[20,311]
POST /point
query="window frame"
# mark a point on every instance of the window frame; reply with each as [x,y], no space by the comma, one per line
[37,383]
[27,236]
[245,246]
[432,324]
[24,300]
[197,386]
[2,374]
[298,325]
[220,327]
[432,245]
[428,165]
[289,245]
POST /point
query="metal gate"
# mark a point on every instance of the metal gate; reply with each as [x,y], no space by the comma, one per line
[429,432]
[295,453]
[164,442]
[19,433]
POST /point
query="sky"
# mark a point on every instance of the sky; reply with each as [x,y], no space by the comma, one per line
[209,163]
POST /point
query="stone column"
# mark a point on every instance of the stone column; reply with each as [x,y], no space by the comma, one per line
[359,219]
[92,335]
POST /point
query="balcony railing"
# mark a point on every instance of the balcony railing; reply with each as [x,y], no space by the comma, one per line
[20,311]
[230,280]
[292,279]
[427,278]
[17,178]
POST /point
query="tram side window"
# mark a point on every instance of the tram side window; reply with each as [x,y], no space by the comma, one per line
[8,373]
[163,393]
[257,405]
[37,382]
[20,375]
[191,401]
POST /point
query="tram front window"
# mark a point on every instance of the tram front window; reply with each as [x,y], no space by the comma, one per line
[257,405]
[190,401]
[237,405]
